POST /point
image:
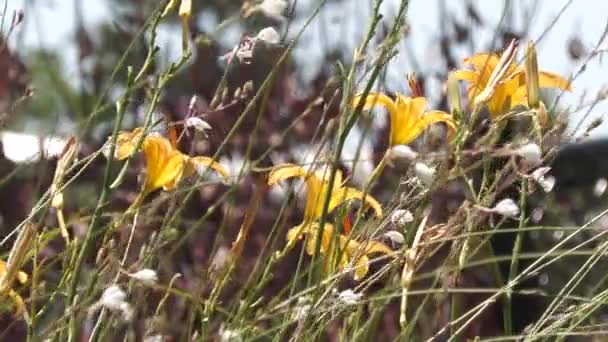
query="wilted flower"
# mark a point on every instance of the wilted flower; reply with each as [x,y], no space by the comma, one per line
[500,83]
[146,276]
[408,116]
[401,217]
[269,36]
[22,277]
[506,207]
[531,153]
[349,297]
[425,173]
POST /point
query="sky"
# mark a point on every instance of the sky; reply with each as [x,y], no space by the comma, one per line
[584,18]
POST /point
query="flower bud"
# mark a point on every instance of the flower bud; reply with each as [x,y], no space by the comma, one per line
[532,82]
[506,207]
[145,276]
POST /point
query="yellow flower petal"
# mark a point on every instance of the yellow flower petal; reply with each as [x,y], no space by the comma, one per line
[285,171]
[376,99]
[346,194]
[164,165]
[361,267]
[551,80]
[200,163]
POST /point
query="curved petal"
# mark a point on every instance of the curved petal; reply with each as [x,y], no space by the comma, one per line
[164,165]
[375,99]
[466,75]
[377,247]
[285,171]
[550,80]
[483,62]
[430,118]
[401,120]
[346,194]
[361,267]
[200,164]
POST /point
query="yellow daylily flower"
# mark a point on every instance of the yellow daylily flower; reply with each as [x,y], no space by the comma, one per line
[408,116]
[22,277]
[165,165]
[317,187]
[352,253]
[509,89]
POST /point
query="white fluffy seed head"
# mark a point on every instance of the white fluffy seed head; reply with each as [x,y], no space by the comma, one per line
[274,9]
[113,297]
[546,182]
[402,152]
[401,217]
[197,123]
[506,207]
[146,276]
[600,187]
[349,297]
[395,237]
[269,36]
[425,173]
[531,153]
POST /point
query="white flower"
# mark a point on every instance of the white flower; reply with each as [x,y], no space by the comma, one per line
[274,9]
[197,123]
[395,236]
[506,207]
[400,217]
[546,182]
[146,276]
[269,36]
[402,152]
[113,297]
[349,297]
[227,335]
[425,173]
[126,311]
[531,153]
[600,187]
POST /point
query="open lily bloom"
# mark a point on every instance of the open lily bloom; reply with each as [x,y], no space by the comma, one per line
[351,253]
[408,116]
[317,187]
[22,277]
[510,88]
[165,165]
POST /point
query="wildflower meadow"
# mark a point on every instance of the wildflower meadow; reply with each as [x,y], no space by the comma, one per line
[284,170]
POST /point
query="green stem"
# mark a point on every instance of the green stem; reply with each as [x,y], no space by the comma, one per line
[508,307]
